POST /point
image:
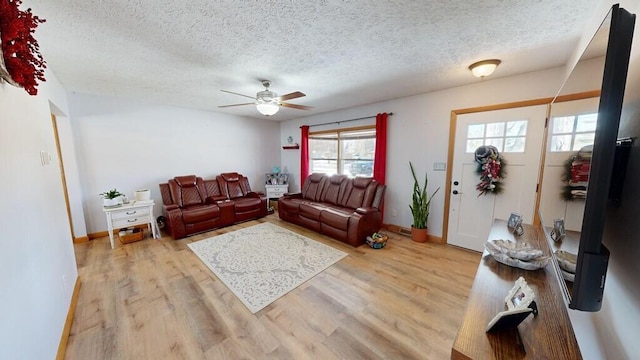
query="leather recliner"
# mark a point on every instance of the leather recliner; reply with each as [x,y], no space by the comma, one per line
[247,204]
[192,205]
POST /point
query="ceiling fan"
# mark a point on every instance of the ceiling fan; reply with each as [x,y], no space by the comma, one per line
[268,102]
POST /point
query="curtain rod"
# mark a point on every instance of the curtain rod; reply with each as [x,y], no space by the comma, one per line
[338,122]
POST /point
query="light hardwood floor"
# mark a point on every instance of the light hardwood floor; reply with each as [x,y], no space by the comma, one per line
[155,299]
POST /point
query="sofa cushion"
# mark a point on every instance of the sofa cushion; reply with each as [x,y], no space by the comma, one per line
[184,190]
[247,204]
[313,186]
[338,219]
[198,213]
[334,189]
[186,181]
[290,204]
[311,210]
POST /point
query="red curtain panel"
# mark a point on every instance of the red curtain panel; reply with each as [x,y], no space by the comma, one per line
[304,154]
[380,163]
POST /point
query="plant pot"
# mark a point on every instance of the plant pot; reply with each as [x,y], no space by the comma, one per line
[143,194]
[418,235]
[111,202]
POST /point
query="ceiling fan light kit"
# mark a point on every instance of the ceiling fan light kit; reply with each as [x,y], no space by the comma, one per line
[484,68]
[267,102]
[267,108]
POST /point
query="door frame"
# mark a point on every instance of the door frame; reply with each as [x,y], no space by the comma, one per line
[452,136]
[63,177]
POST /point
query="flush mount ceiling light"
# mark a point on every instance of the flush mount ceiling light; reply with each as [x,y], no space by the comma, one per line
[484,68]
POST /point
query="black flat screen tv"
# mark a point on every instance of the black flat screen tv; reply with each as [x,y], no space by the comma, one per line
[593,256]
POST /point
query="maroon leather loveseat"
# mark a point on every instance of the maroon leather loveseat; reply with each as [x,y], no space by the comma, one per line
[192,205]
[347,209]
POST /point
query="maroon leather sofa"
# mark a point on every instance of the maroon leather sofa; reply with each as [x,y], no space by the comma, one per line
[347,209]
[192,205]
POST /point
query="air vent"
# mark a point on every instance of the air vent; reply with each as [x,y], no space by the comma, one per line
[399,229]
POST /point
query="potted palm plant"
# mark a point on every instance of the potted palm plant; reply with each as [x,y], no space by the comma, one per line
[420,207]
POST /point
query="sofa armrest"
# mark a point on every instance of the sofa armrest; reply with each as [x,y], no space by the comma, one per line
[215,199]
[292,195]
[253,194]
[170,207]
[366,210]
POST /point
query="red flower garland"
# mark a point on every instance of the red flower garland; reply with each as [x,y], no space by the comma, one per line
[20,49]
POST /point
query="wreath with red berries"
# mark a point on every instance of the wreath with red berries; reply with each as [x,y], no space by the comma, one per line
[20,50]
[491,170]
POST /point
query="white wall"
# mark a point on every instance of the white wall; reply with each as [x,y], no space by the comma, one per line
[131,145]
[37,262]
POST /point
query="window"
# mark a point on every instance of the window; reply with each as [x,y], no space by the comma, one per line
[571,133]
[507,136]
[348,151]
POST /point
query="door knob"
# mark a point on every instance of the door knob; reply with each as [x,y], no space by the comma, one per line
[455,192]
[456,183]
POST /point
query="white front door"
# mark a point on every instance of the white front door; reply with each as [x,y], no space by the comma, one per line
[518,135]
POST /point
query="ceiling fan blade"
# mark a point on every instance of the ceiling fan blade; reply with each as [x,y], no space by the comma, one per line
[294,106]
[225,106]
[234,93]
[293,95]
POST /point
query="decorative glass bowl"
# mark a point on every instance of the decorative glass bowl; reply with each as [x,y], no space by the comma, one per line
[520,255]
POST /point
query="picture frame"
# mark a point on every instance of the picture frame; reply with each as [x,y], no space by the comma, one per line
[520,296]
[515,221]
[558,233]
[520,303]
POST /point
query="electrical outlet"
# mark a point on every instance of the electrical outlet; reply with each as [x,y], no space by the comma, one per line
[394,212]
[439,166]
[45,158]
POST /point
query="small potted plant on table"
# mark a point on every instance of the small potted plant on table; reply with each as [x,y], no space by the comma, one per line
[111,197]
[420,208]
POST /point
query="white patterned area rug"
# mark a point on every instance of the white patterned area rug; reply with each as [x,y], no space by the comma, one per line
[261,263]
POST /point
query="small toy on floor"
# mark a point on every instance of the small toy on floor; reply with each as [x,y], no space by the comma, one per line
[377,240]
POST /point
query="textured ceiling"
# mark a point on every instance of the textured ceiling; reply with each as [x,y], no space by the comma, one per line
[340,53]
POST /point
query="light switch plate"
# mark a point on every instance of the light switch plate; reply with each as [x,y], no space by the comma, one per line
[439,166]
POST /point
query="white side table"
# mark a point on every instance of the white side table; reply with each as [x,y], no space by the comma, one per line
[275,191]
[133,213]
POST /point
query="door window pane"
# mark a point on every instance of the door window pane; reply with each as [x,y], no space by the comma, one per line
[560,143]
[514,144]
[563,125]
[517,128]
[497,142]
[495,129]
[475,131]
[587,123]
[583,140]
[473,144]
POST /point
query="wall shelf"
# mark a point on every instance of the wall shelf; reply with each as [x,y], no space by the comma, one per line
[291,147]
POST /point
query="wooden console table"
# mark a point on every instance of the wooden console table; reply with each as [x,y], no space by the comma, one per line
[549,335]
